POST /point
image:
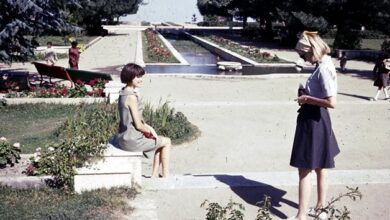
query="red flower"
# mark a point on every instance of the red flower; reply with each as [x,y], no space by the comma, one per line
[79,82]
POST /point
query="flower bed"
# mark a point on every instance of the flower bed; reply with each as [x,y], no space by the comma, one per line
[94,88]
[249,52]
[154,49]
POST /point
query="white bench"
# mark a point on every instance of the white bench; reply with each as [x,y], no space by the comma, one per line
[117,168]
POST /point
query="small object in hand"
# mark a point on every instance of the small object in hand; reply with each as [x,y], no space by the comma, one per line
[149,135]
[301,90]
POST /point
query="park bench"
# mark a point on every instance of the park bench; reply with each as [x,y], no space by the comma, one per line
[51,71]
[116,168]
[14,80]
[69,74]
[86,76]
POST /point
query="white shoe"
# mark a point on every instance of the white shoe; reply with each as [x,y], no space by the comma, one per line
[313,213]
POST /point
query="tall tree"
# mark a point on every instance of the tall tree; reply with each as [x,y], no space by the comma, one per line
[27,17]
[92,13]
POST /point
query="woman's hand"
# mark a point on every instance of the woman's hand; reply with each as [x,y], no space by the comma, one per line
[151,130]
[302,99]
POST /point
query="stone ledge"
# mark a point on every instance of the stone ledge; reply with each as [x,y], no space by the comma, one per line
[73,101]
[116,168]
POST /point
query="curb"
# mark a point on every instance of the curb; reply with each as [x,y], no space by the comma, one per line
[24,181]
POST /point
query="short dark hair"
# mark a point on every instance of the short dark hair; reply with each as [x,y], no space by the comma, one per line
[130,71]
[49,43]
[74,43]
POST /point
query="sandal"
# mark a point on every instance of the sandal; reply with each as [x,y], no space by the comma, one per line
[321,214]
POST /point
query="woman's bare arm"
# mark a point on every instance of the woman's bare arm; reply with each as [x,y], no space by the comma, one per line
[132,103]
[328,102]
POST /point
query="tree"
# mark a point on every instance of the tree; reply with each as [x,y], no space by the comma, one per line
[27,17]
[92,12]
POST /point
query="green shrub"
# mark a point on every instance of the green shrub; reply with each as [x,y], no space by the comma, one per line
[386,46]
[83,137]
[235,210]
[9,154]
[232,210]
[80,138]
[169,123]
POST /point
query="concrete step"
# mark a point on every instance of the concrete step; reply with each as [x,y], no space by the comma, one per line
[258,179]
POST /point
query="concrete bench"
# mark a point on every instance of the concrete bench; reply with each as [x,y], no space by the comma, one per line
[116,168]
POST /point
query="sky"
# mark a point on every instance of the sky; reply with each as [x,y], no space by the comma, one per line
[166,10]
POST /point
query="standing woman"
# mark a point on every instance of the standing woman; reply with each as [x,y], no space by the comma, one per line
[315,145]
[133,133]
[74,56]
[381,76]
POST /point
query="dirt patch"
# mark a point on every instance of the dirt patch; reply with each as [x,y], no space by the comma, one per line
[17,169]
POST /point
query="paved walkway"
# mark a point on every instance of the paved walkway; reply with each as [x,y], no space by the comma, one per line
[247,126]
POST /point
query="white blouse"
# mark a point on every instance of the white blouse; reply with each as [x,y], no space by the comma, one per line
[322,82]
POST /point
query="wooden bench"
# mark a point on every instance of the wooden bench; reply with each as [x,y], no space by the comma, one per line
[86,76]
[116,168]
[69,74]
[51,71]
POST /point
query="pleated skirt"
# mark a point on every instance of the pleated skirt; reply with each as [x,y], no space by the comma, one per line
[315,144]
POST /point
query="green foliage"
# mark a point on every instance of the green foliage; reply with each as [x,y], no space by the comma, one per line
[82,137]
[169,123]
[341,213]
[79,90]
[232,211]
[21,17]
[347,40]
[154,49]
[264,212]
[9,154]
[49,203]
[93,12]
[386,46]
[252,53]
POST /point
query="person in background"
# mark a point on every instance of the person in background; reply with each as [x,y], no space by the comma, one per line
[74,56]
[50,54]
[315,145]
[343,61]
[133,133]
[381,75]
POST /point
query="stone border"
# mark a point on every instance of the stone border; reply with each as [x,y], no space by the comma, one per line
[64,49]
[174,52]
[65,101]
[230,55]
[210,76]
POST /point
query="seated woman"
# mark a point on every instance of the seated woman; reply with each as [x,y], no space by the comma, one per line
[134,134]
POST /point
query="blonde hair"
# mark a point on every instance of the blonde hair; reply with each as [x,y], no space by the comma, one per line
[311,40]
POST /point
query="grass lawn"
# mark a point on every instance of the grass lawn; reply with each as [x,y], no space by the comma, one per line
[48,203]
[63,41]
[35,125]
[371,44]
[32,125]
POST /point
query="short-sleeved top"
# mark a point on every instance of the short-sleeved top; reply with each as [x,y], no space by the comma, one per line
[50,54]
[322,82]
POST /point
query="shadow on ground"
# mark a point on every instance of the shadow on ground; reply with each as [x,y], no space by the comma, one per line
[355,96]
[252,192]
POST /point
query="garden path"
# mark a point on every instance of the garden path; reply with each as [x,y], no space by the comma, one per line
[247,126]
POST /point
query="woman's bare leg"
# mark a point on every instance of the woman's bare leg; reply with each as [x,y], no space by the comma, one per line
[304,192]
[156,163]
[165,156]
[322,187]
